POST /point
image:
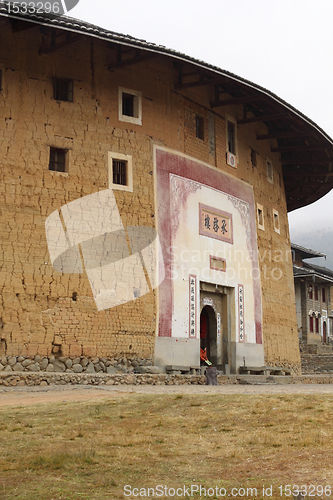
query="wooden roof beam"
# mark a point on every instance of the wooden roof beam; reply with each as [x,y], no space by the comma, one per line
[287,149]
[236,100]
[198,83]
[304,175]
[290,174]
[295,161]
[263,118]
[18,25]
[283,135]
[130,61]
[44,50]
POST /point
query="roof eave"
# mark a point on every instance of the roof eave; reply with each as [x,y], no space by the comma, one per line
[306,194]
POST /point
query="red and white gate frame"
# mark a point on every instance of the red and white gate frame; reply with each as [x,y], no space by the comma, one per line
[241,325]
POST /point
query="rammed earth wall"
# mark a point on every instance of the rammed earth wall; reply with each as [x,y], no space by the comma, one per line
[44,312]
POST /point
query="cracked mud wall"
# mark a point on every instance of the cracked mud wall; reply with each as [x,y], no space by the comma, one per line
[44,311]
[38,312]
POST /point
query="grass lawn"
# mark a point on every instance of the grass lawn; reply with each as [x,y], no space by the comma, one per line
[92,450]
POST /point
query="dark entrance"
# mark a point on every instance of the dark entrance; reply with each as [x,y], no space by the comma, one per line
[208,333]
[324,333]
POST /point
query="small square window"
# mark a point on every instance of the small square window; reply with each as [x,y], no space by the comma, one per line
[310,292]
[260,217]
[276,221]
[254,155]
[63,89]
[130,106]
[316,292]
[269,171]
[323,294]
[120,172]
[231,141]
[199,127]
[317,325]
[231,138]
[58,160]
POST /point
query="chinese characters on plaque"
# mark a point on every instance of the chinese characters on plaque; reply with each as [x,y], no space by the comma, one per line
[241,313]
[215,223]
[193,298]
[218,338]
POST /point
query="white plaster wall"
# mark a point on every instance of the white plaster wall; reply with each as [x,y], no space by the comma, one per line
[191,253]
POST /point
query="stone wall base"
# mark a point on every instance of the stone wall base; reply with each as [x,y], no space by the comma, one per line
[18,379]
[80,364]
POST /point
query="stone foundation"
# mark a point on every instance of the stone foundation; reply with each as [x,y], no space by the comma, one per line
[18,379]
[45,379]
[73,365]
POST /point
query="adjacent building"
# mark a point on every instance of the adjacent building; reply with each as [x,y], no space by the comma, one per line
[313,297]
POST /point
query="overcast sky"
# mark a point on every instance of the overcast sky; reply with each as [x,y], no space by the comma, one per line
[283,45]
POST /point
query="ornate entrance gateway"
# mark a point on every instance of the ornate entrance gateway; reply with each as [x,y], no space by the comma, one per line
[214,323]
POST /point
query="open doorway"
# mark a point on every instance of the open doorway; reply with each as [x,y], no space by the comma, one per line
[324,333]
[208,333]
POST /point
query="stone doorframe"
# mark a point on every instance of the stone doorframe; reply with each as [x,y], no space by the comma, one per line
[219,298]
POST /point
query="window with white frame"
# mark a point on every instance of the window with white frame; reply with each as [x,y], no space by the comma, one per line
[130,106]
[120,171]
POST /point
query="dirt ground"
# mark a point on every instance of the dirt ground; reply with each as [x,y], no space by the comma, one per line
[24,396]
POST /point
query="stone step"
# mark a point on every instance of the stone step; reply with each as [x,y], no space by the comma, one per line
[317,363]
[264,370]
[263,379]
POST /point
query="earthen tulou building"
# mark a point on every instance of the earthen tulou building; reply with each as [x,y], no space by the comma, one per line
[144,198]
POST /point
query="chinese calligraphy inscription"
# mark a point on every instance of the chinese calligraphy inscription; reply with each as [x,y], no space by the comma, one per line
[218,337]
[215,223]
[193,301]
[241,313]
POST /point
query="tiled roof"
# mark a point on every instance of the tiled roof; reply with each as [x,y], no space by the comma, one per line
[81,27]
[306,251]
[319,269]
[318,274]
[312,173]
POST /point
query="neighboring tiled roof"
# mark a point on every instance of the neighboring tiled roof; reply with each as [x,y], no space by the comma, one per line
[306,251]
[319,274]
[319,269]
[81,27]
